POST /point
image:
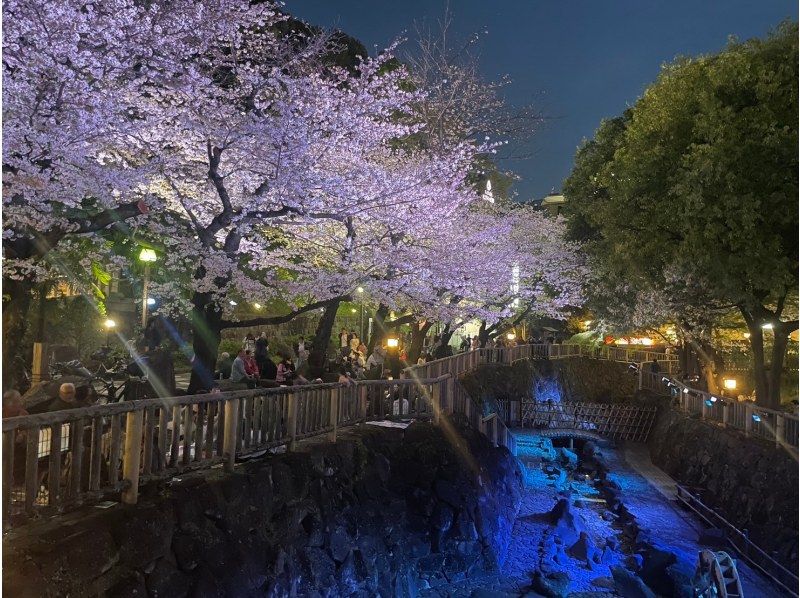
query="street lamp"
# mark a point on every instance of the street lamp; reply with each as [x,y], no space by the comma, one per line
[392,343]
[729,383]
[109,325]
[146,256]
[360,291]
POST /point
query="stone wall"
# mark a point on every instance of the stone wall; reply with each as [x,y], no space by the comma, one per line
[753,484]
[571,379]
[383,512]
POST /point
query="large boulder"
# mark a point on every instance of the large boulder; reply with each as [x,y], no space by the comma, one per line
[630,585]
[567,524]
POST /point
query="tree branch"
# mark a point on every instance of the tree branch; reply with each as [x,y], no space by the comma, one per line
[273,320]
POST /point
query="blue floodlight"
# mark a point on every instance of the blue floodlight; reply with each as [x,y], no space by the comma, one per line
[756,417]
[709,403]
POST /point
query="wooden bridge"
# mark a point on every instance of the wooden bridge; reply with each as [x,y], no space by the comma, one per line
[60,460]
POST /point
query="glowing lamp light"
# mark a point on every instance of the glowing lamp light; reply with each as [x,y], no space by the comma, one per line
[511,336]
[714,399]
[392,342]
[686,390]
[360,289]
[151,301]
[257,305]
[756,417]
[147,255]
[767,326]
[746,335]
[109,324]
[233,303]
[729,383]
[647,341]
[354,310]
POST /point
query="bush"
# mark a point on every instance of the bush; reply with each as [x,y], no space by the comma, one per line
[229,345]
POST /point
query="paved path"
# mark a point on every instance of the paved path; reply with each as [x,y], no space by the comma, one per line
[660,512]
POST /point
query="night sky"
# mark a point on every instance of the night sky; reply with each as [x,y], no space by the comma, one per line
[578,61]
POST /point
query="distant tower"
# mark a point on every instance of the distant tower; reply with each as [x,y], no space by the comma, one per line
[488,195]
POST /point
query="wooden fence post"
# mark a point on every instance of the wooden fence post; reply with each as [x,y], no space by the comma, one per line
[780,429]
[334,416]
[436,401]
[231,433]
[131,458]
[362,403]
[451,397]
[748,419]
[291,419]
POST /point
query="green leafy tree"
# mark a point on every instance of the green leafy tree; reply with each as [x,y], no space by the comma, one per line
[698,181]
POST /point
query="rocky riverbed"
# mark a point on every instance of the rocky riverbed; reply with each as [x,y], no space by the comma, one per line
[590,525]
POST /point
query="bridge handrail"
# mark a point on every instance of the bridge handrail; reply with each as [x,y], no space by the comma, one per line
[748,550]
[769,424]
[460,363]
[90,452]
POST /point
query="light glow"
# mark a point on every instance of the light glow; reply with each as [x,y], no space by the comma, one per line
[392,342]
[729,383]
[151,301]
[109,323]
[147,255]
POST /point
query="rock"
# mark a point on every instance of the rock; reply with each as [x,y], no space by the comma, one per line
[604,582]
[442,517]
[583,549]
[630,585]
[552,585]
[567,524]
[566,457]
[319,567]
[165,581]
[654,568]
[339,544]
[589,449]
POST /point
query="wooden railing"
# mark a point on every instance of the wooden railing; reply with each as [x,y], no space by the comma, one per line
[741,542]
[458,364]
[776,426]
[59,460]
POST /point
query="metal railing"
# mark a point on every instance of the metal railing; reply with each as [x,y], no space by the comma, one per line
[740,541]
[609,420]
[56,461]
[776,426]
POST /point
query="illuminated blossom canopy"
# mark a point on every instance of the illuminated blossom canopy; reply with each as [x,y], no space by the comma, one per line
[259,168]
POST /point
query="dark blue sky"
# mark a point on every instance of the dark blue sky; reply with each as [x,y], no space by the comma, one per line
[578,61]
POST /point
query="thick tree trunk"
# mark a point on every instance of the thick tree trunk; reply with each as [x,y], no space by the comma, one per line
[444,341]
[776,365]
[759,364]
[206,321]
[483,335]
[15,325]
[418,334]
[322,338]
